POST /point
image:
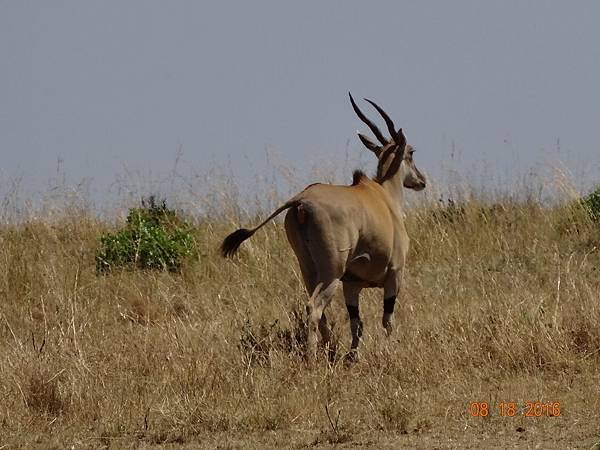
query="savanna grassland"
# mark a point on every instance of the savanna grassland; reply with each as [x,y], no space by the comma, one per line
[501,303]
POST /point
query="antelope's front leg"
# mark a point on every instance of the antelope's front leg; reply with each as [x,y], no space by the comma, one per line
[391,290]
[351,296]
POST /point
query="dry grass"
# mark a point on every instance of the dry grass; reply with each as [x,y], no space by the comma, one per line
[501,303]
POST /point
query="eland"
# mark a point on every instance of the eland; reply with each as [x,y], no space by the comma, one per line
[350,235]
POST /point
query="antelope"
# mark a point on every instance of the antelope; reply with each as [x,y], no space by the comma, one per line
[353,235]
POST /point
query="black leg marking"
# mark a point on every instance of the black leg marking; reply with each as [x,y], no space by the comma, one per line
[388,305]
[352,311]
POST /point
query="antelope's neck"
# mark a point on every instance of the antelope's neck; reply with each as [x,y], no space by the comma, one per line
[394,187]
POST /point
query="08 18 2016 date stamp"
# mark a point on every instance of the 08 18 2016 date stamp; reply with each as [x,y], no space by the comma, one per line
[515,409]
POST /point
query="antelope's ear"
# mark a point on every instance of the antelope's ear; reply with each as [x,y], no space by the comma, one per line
[370,144]
[400,140]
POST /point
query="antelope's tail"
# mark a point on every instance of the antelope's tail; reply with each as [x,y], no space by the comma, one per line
[232,242]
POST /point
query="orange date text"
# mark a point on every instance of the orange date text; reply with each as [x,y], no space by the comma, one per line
[512,409]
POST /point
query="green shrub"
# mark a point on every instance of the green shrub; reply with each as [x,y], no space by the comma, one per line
[591,203]
[155,237]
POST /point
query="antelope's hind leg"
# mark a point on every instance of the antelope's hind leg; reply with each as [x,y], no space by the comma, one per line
[317,303]
[300,247]
[321,264]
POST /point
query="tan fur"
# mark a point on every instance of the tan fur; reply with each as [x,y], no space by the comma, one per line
[354,235]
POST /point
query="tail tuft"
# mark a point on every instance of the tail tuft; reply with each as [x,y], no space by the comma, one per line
[232,242]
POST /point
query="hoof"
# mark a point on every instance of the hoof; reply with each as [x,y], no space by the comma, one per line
[351,357]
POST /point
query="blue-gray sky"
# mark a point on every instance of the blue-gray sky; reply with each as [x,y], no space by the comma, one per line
[110,85]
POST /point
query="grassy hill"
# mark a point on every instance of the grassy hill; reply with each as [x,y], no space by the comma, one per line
[501,304]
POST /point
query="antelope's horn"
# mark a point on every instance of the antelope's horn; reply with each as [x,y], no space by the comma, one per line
[388,121]
[370,124]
